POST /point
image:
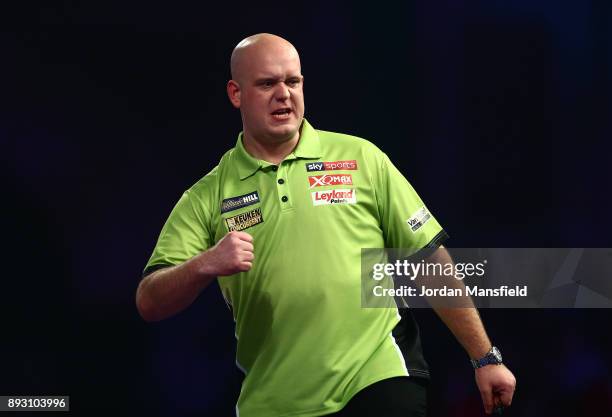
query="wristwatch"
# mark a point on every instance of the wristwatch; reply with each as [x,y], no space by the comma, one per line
[493,357]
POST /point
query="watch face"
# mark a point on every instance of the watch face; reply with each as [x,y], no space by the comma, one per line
[496,354]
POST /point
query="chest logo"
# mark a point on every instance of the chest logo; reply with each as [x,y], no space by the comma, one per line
[234,203]
[332,166]
[329,179]
[339,196]
[244,220]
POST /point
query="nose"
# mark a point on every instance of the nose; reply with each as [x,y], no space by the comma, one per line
[282,92]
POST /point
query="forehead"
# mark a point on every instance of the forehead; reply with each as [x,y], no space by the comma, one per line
[272,61]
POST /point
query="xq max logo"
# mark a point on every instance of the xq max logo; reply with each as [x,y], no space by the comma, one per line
[329,179]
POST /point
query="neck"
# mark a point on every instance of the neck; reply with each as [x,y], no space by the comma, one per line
[274,152]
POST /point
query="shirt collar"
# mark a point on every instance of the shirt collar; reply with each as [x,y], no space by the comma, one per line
[308,147]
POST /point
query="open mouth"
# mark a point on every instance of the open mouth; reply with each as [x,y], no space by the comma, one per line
[281,114]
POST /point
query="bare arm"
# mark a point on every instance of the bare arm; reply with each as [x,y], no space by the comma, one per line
[495,382]
[170,290]
[464,323]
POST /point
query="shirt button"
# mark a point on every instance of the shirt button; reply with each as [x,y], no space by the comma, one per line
[274,168]
[284,199]
[281,181]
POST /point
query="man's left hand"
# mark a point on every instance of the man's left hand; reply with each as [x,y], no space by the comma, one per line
[496,384]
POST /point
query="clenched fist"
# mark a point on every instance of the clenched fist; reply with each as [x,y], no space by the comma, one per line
[496,384]
[231,255]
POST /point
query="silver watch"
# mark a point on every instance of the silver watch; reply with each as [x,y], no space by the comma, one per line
[493,357]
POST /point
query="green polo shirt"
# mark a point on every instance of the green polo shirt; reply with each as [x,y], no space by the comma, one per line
[305,344]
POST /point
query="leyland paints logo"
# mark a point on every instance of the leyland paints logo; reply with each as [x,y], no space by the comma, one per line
[332,166]
[329,179]
[340,196]
[418,219]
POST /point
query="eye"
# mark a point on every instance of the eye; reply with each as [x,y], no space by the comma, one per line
[266,83]
[293,82]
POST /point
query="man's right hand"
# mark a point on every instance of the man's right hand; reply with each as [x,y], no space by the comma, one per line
[231,255]
[164,293]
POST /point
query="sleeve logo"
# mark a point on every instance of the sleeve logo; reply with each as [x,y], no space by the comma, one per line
[418,219]
[332,166]
[234,203]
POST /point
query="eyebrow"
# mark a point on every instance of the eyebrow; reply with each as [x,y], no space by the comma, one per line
[264,79]
[276,79]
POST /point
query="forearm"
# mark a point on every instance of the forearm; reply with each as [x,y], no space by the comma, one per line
[496,383]
[464,322]
[466,326]
[170,290]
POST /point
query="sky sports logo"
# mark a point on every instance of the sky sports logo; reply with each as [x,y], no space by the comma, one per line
[329,179]
[340,196]
[332,166]
[234,203]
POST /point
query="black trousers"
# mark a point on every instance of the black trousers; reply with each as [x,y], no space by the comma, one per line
[393,397]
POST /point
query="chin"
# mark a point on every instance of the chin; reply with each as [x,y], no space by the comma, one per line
[284,132]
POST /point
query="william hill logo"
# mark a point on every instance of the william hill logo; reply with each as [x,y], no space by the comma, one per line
[234,203]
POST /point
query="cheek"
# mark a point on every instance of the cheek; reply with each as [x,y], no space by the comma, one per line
[300,104]
[298,99]
[256,107]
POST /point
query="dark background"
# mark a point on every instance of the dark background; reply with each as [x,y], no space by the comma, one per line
[498,112]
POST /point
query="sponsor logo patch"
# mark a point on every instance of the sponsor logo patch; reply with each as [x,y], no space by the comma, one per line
[418,219]
[234,203]
[244,220]
[340,196]
[330,179]
[332,166]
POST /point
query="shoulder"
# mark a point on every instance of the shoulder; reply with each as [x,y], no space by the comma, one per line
[356,144]
[343,139]
[208,186]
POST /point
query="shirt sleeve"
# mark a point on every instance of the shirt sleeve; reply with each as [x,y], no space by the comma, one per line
[185,234]
[406,221]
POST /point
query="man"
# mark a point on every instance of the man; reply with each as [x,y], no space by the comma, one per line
[281,222]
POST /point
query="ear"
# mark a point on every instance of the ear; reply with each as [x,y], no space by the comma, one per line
[233,92]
